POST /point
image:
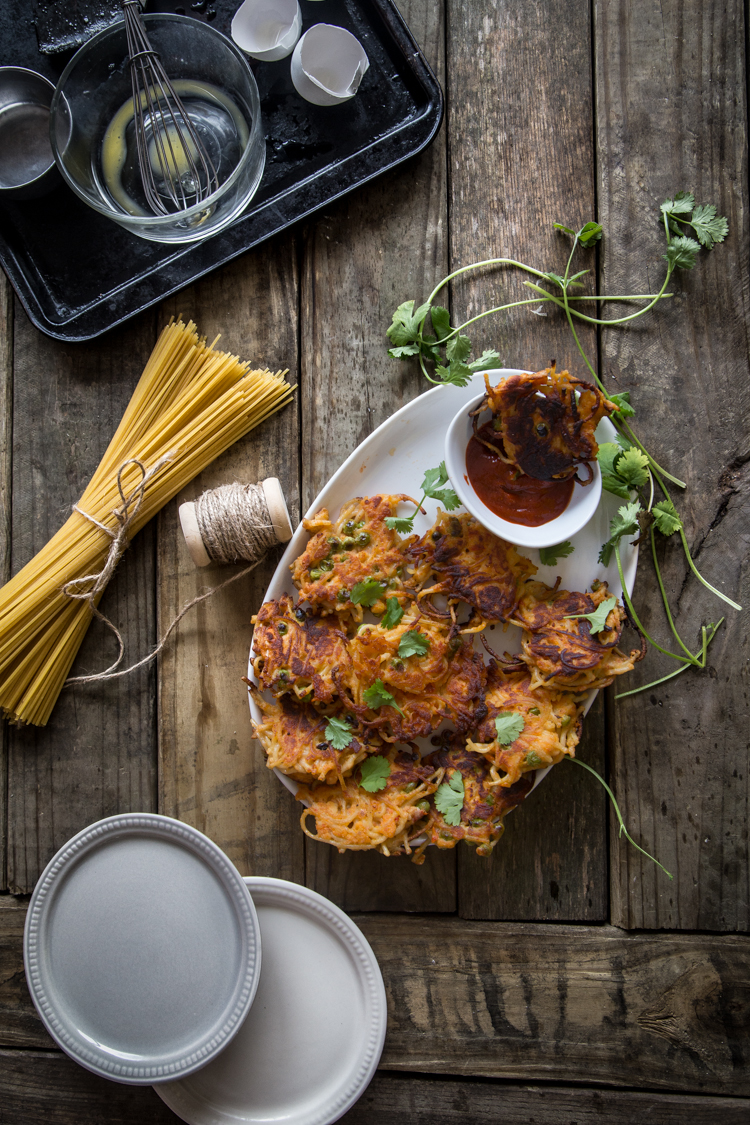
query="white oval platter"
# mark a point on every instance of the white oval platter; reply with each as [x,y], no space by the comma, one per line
[395,457]
[314,1036]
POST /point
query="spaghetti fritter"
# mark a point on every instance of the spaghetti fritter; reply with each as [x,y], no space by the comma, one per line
[484,806]
[352,819]
[375,652]
[293,736]
[297,651]
[552,726]
[471,565]
[545,422]
[558,646]
[341,554]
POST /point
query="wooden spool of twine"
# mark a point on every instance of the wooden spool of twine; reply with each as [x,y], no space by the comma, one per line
[236,522]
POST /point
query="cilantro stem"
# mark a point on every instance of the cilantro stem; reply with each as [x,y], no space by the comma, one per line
[634,615]
[660,296]
[700,577]
[621,424]
[667,610]
[478,265]
[623,829]
[706,641]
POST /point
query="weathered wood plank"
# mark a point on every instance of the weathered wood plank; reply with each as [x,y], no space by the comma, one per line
[570,1003]
[96,756]
[6,437]
[211,770]
[522,157]
[670,118]
[395,1099]
[363,257]
[40,1087]
[529,1003]
[46,1086]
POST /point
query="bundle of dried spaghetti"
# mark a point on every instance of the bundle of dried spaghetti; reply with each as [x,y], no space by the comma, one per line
[191,403]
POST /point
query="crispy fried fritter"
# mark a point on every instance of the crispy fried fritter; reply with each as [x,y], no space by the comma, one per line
[559,649]
[294,739]
[352,819]
[375,652]
[471,565]
[484,806]
[342,553]
[546,421]
[458,697]
[297,651]
[552,726]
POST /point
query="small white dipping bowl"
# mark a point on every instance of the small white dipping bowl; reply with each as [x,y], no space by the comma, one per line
[581,507]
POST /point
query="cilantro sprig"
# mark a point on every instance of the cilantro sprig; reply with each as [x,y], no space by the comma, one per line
[433,486]
[629,470]
[449,799]
[393,614]
[548,556]
[377,696]
[508,726]
[374,773]
[413,643]
[339,733]
[367,592]
[597,619]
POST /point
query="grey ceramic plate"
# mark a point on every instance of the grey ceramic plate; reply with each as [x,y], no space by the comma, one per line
[142,948]
[315,1034]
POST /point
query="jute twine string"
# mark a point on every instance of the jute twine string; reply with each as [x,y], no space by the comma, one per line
[250,539]
[234,523]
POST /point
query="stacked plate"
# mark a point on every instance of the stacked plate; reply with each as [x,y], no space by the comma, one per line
[143,958]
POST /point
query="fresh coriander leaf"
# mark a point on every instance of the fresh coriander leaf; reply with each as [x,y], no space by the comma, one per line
[378,696]
[708,226]
[458,348]
[632,468]
[508,725]
[624,523]
[598,618]
[574,277]
[402,524]
[681,253]
[487,361]
[589,234]
[458,374]
[666,518]
[434,478]
[682,204]
[393,614]
[442,373]
[623,401]
[447,497]
[339,733]
[565,230]
[622,440]
[615,486]
[373,773]
[404,327]
[548,556]
[557,278]
[441,321]
[608,453]
[368,592]
[449,799]
[404,352]
[413,643]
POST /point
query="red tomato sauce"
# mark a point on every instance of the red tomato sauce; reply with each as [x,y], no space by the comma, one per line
[517,499]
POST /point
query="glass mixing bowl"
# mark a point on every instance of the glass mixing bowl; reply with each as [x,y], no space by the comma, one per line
[93,136]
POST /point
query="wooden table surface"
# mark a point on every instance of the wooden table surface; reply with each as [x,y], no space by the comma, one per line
[564,979]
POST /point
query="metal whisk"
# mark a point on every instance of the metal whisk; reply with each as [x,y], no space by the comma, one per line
[166,139]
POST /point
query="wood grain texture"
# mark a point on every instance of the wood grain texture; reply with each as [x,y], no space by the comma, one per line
[521,157]
[211,771]
[672,116]
[6,438]
[400,1099]
[96,756]
[362,258]
[566,1003]
[20,1026]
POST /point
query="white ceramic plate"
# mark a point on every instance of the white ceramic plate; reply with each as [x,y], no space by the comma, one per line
[394,458]
[315,1034]
[142,948]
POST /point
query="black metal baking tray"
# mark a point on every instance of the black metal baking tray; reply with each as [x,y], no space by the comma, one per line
[78,274]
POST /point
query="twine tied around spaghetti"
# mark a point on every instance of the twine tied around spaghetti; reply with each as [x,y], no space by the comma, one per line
[257,539]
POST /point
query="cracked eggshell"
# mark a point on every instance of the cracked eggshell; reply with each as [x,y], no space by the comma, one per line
[267,29]
[328,64]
